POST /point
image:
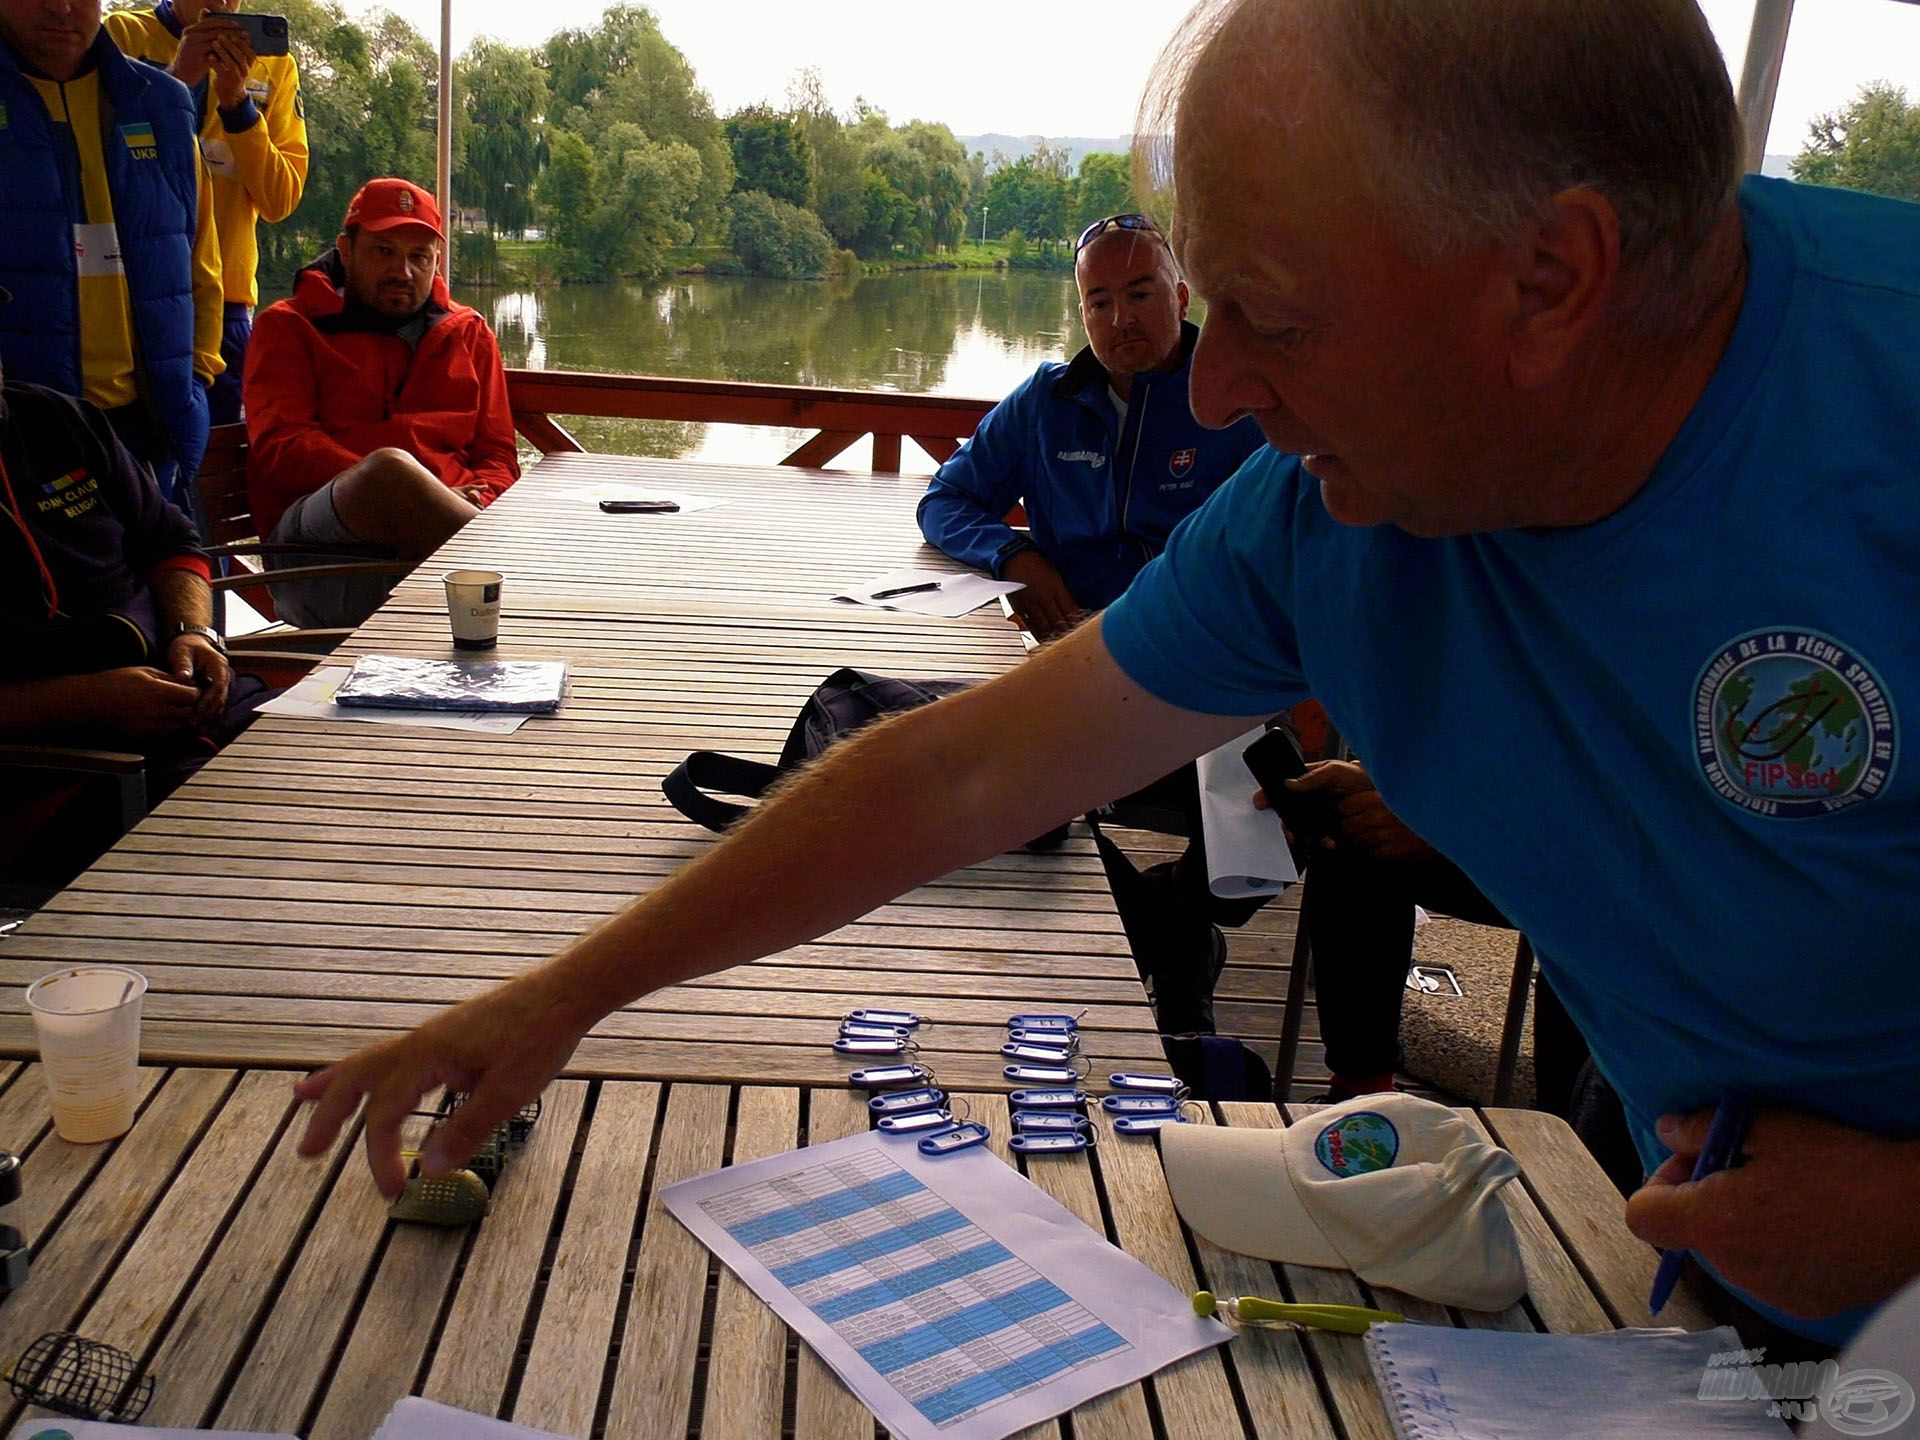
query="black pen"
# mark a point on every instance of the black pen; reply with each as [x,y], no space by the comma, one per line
[919,589]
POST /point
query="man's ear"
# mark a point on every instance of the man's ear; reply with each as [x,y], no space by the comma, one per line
[342,243]
[1180,291]
[1566,270]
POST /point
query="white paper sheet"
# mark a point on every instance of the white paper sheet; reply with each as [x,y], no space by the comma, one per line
[957,595]
[61,1429]
[312,699]
[1246,848]
[688,502]
[953,1296]
[417,1419]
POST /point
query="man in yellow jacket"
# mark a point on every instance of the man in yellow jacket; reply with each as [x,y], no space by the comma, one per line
[253,132]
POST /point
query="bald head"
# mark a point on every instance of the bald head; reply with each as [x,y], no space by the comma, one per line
[1132,302]
[1461,119]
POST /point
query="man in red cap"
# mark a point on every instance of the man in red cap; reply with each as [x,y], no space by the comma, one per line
[376,406]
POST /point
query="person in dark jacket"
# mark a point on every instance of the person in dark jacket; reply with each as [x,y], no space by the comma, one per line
[1107,458]
[376,405]
[105,601]
[107,237]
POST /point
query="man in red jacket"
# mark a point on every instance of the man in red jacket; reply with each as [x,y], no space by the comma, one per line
[376,406]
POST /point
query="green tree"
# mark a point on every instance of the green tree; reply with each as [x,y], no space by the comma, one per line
[1027,196]
[1105,187]
[770,154]
[772,237]
[502,93]
[616,209]
[1873,144]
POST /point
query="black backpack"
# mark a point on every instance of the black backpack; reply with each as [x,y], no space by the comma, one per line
[839,705]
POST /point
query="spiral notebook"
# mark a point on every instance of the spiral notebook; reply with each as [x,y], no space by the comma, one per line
[1446,1384]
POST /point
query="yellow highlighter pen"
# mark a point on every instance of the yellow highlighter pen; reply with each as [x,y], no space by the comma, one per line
[1251,1310]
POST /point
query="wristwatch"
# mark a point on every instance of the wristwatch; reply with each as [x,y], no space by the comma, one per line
[206,632]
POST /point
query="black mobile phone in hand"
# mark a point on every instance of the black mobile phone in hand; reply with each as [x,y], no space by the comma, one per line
[266,33]
[1274,759]
[640,507]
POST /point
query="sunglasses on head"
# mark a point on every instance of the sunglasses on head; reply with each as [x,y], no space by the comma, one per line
[1117,222]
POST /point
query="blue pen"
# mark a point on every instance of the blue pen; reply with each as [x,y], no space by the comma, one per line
[1724,1138]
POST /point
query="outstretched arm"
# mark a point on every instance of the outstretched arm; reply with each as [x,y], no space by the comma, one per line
[984,769]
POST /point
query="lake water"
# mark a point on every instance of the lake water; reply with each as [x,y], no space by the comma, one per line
[941,332]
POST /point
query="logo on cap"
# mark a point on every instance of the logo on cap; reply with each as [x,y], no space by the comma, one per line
[1358,1144]
[403,201]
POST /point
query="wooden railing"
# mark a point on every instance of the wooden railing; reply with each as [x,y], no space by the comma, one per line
[840,418]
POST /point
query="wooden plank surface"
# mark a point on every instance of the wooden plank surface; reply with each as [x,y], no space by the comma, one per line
[271,1293]
[320,885]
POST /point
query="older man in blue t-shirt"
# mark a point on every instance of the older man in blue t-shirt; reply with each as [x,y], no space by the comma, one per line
[1602,549]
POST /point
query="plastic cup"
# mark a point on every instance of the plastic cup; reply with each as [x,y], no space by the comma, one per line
[473,607]
[87,1020]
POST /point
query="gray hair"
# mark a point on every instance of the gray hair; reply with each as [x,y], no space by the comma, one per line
[1473,114]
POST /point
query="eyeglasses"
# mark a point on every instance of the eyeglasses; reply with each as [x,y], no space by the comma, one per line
[1118,222]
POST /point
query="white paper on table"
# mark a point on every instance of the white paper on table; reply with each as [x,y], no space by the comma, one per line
[957,595]
[417,1419]
[312,699]
[1247,851]
[964,1241]
[689,503]
[62,1429]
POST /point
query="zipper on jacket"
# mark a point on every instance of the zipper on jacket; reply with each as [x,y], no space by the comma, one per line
[1136,415]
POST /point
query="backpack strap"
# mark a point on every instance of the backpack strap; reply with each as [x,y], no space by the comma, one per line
[686,786]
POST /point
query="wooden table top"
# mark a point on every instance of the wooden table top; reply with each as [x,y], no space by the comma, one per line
[322,884]
[269,1293]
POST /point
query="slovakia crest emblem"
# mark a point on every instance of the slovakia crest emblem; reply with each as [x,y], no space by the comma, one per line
[1181,461]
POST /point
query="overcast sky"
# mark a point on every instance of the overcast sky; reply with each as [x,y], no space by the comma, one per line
[1019,67]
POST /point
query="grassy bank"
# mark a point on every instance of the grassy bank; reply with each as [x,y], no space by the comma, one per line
[533,262]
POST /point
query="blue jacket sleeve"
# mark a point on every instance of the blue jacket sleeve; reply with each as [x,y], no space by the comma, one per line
[962,510]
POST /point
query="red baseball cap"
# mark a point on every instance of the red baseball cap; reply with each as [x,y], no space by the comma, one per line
[389,202]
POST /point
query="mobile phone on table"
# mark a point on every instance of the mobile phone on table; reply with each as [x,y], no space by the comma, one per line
[266,33]
[1274,759]
[639,507]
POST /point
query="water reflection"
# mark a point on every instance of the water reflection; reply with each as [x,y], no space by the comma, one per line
[925,332]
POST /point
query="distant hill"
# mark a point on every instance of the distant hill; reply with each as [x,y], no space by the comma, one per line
[1014,146]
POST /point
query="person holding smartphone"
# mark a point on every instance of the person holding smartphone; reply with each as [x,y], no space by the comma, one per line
[253,133]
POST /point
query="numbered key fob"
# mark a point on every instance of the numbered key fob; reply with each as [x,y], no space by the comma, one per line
[921,1122]
[905,1019]
[854,1030]
[876,1076]
[895,1046]
[902,1102]
[1045,1144]
[1140,1105]
[1042,1074]
[1042,1054]
[1147,1124]
[1048,1099]
[963,1137]
[1068,1040]
[1160,1084]
[1042,1022]
[1059,1121]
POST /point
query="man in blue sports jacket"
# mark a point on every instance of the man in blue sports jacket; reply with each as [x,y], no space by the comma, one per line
[1107,458]
[1103,450]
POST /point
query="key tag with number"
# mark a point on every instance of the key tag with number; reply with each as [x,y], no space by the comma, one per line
[920,1122]
[1029,1144]
[1041,1074]
[1048,1099]
[1157,1084]
[904,1019]
[1069,1023]
[1052,1121]
[1140,1105]
[894,1045]
[1040,1054]
[1068,1040]
[875,1077]
[1147,1124]
[964,1137]
[903,1102]
[854,1030]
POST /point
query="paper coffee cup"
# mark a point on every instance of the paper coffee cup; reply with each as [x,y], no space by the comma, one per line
[473,606]
[87,1020]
